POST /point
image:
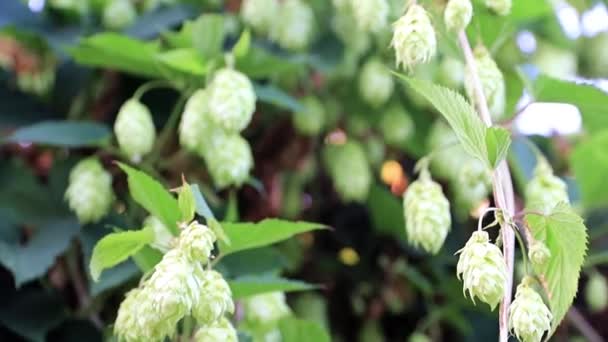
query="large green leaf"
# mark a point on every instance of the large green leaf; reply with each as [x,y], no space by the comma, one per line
[259,63]
[115,248]
[590,164]
[275,96]
[208,35]
[498,140]
[299,330]
[386,211]
[151,195]
[185,61]
[62,133]
[252,235]
[565,234]
[248,286]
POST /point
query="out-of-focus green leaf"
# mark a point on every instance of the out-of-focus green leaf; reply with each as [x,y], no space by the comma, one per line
[386,211]
[150,23]
[147,258]
[299,330]
[208,35]
[252,262]
[181,39]
[186,61]
[259,63]
[275,96]
[241,47]
[498,141]
[590,164]
[114,277]
[62,133]
[202,208]
[248,286]
[186,203]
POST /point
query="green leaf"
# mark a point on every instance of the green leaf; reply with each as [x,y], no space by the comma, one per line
[252,235]
[186,61]
[186,203]
[565,234]
[241,48]
[299,330]
[202,208]
[386,212]
[259,63]
[276,97]
[248,286]
[115,248]
[498,141]
[208,35]
[217,229]
[62,133]
[590,164]
[147,258]
[120,52]
[151,195]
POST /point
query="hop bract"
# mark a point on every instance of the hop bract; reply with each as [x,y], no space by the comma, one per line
[231,100]
[133,314]
[265,309]
[163,240]
[119,14]
[89,193]
[195,125]
[529,317]
[482,268]
[135,130]
[501,7]
[293,28]
[375,82]
[414,38]
[349,170]
[427,214]
[538,253]
[545,190]
[221,330]
[215,298]
[371,15]
[196,242]
[458,14]
[229,160]
[397,126]
[492,82]
[260,14]
[596,292]
[311,119]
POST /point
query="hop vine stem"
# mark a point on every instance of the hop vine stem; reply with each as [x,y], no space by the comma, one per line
[502,188]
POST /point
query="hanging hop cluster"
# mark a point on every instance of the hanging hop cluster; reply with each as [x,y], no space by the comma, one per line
[492,82]
[135,130]
[375,82]
[596,292]
[482,268]
[118,14]
[529,317]
[221,330]
[294,25]
[501,7]
[414,38]
[427,214]
[349,170]
[231,100]
[370,15]
[89,193]
[545,190]
[311,120]
[262,312]
[458,14]
[195,125]
[260,14]
[538,253]
[229,160]
[396,125]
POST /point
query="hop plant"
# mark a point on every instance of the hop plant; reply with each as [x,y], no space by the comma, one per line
[596,292]
[231,100]
[89,193]
[396,126]
[500,7]
[260,14]
[349,170]
[371,15]
[264,310]
[458,14]
[229,160]
[529,317]
[345,26]
[427,214]
[135,130]
[221,330]
[538,253]
[594,54]
[492,82]
[483,269]
[133,314]
[545,190]
[448,153]
[215,298]
[195,125]
[293,28]
[472,184]
[451,72]
[375,82]
[163,240]
[119,14]
[555,61]
[196,242]
[311,119]
[414,38]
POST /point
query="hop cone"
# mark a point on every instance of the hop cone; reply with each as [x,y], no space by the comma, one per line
[483,269]
[492,82]
[451,73]
[229,160]
[119,14]
[371,15]
[163,240]
[260,14]
[265,310]
[555,61]
[135,130]
[529,317]
[293,28]
[89,192]
[545,190]
[215,298]
[472,184]
[449,154]
[346,28]
[349,170]
[375,82]
[221,330]
[397,126]
[196,242]
[427,214]
[414,38]
[501,7]
[374,150]
[195,124]
[596,292]
[458,14]
[231,100]
[133,316]
[538,253]
[311,120]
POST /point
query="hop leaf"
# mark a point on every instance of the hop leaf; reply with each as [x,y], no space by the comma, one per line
[119,14]
[263,311]
[371,15]
[221,330]
[311,120]
[196,242]
[375,83]
[135,130]
[293,28]
[195,125]
[229,160]
[492,82]
[414,38]
[501,7]
[538,253]
[349,170]
[163,240]
[231,100]
[215,298]
[427,214]
[529,317]
[596,292]
[458,14]
[89,193]
[260,14]
[397,126]
[483,269]
[545,190]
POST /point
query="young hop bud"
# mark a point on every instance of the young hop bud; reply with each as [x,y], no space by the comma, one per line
[396,125]
[118,14]
[229,160]
[260,14]
[196,242]
[89,193]
[482,268]
[349,170]
[371,15]
[163,240]
[221,330]
[231,100]
[195,124]
[492,82]
[545,190]
[427,214]
[293,28]
[596,292]
[529,317]
[135,130]
[458,14]
[375,82]
[265,310]
[311,119]
[501,7]
[414,38]
[538,253]
[215,298]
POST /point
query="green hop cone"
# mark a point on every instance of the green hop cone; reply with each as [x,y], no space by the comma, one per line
[221,330]
[163,240]
[396,125]
[374,150]
[119,14]
[196,242]
[538,253]
[195,123]
[229,160]
[311,120]
[529,317]
[263,311]
[555,61]
[458,14]
[448,153]
[215,298]
[349,170]
[133,314]
[260,14]
[482,268]
[427,214]
[344,24]
[414,38]
[492,82]
[472,184]
[135,130]
[371,15]
[451,72]
[375,82]
[545,190]
[89,193]
[293,27]
[231,100]
[596,292]
[500,7]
